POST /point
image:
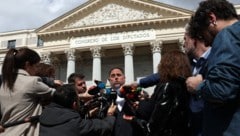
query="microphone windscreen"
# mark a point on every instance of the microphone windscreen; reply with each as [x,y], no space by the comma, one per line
[94,91]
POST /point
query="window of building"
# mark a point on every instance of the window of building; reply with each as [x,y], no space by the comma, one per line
[39,42]
[11,44]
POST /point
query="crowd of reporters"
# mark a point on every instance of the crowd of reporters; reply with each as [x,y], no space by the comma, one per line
[41,105]
[34,104]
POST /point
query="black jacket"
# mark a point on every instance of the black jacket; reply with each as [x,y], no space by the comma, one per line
[167,110]
[59,121]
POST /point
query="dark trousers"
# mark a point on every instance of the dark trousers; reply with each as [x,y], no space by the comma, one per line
[196,120]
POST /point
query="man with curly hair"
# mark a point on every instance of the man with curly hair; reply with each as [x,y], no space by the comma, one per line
[220,88]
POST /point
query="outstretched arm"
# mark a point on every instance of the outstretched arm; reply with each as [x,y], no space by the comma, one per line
[149,80]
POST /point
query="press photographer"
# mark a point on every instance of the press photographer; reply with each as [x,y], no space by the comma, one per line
[61,117]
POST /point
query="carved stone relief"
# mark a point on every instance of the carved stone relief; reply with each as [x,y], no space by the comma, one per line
[113,13]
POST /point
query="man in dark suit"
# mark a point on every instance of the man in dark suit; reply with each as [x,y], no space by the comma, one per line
[220,88]
[122,127]
[198,49]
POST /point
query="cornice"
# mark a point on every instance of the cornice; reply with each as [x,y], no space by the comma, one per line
[116,25]
[17,32]
[92,4]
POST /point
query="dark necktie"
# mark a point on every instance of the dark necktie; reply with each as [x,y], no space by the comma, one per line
[200,63]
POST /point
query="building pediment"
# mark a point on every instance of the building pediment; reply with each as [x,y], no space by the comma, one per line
[112,12]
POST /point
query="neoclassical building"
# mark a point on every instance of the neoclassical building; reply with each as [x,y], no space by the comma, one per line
[101,34]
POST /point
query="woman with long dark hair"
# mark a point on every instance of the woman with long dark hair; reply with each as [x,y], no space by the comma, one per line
[166,112]
[21,91]
[170,114]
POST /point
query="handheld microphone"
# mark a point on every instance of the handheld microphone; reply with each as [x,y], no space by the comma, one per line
[112,95]
[100,85]
[129,92]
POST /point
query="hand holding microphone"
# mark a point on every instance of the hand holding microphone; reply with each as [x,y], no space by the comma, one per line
[130,93]
[97,89]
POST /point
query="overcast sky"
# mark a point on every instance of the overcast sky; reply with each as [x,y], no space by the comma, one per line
[31,14]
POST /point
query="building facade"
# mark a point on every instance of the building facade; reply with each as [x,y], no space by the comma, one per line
[101,34]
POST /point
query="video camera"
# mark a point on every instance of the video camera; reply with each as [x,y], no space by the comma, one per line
[101,90]
[103,98]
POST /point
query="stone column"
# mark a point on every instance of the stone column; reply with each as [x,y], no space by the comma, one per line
[180,44]
[55,61]
[70,61]
[45,57]
[128,49]
[156,51]
[96,54]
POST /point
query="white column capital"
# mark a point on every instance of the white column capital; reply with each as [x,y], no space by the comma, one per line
[45,57]
[180,43]
[156,46]
[128,48]
[96,52]
[70,61]
[55,61]
[70,54]
[156,51]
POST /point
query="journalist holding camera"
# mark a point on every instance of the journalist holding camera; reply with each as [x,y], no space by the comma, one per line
[85,110]
[62,118]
